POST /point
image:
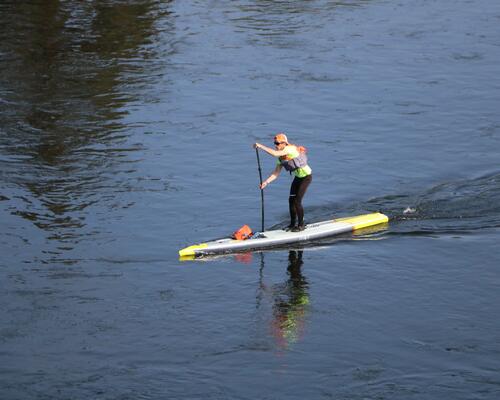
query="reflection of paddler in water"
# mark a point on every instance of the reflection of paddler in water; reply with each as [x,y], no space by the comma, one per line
[291,301]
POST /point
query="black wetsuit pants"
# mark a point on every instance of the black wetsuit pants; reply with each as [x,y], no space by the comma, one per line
[297,192]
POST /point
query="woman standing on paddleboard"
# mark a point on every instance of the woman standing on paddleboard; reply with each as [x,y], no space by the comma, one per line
[293,158]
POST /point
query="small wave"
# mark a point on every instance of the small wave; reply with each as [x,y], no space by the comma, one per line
[454,207]
[457,206]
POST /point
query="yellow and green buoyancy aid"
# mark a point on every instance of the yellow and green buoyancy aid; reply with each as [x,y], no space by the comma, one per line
[295,161]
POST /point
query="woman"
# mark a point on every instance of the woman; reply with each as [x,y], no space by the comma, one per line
[293,159]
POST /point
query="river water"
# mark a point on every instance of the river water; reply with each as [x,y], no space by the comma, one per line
[126,132]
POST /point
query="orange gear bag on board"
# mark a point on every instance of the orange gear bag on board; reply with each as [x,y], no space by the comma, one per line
[243,233]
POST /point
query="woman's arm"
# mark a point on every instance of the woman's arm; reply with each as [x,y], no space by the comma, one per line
[268,150]
[272,177]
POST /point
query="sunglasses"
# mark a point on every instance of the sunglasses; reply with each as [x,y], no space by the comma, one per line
[278,143]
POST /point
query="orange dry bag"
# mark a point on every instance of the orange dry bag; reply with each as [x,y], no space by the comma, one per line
[243,233]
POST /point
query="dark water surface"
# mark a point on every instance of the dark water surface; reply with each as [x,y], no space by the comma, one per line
[125,134]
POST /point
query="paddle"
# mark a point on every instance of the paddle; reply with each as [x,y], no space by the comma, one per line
[261,190]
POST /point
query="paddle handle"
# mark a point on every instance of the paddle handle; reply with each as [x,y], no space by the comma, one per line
[261,190]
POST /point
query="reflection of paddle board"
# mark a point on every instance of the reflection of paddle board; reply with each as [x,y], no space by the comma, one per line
[280,237]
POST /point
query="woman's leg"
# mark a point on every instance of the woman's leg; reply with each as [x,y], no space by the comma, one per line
[297,192]
[304,184]
[291,201]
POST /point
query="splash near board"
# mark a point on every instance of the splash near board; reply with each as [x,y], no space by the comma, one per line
[267,239]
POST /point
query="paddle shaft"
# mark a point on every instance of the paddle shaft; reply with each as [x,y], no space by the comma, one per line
[261,190]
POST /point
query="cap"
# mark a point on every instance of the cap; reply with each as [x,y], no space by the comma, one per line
[281,138]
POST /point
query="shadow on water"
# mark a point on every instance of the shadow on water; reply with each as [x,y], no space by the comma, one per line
[69,71]
[289,299]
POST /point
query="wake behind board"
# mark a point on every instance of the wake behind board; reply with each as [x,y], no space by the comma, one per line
[281,237]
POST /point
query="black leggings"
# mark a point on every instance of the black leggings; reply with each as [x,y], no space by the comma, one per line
[297,192]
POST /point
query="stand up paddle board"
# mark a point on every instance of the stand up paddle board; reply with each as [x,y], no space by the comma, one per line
[281,237]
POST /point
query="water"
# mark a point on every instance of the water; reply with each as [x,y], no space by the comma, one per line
[125,134]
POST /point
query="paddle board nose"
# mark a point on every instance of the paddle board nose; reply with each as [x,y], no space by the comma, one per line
[191,250]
